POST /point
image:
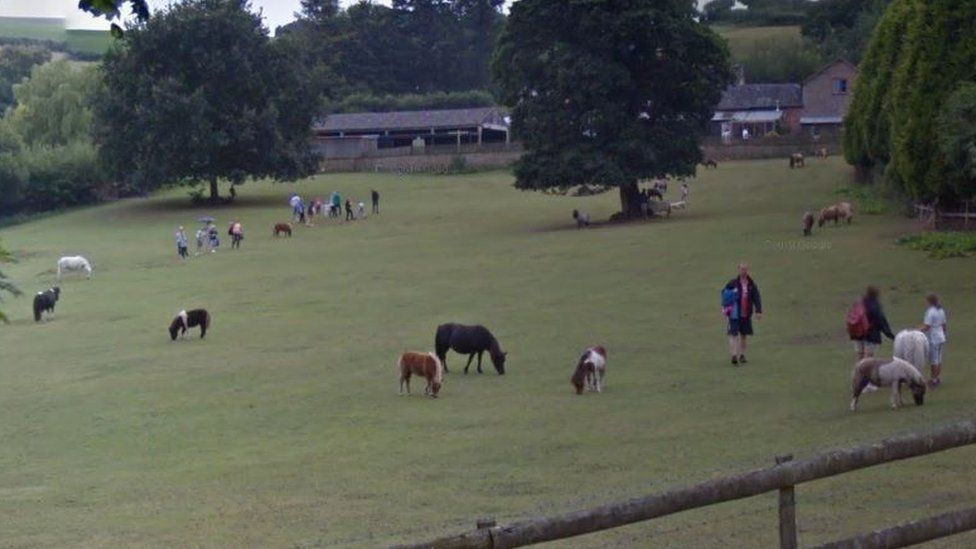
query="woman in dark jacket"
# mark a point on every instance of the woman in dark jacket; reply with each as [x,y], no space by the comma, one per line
[868,345]
[746,302]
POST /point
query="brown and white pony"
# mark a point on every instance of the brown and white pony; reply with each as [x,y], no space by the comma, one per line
[797,161]
[893,372]
[590,370]
[425,365]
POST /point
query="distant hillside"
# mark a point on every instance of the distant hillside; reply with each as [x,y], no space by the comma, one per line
[743,40]
[87,42]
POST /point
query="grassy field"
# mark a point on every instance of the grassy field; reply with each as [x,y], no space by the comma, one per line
[743,40]
[77,40]
[283,428]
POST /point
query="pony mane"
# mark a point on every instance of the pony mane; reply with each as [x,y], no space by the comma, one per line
[438,368]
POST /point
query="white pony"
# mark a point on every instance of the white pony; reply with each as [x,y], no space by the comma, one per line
[912,346]
[892,372]
[74,263]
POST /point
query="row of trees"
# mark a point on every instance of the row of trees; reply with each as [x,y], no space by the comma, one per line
[914,106]
[411,46]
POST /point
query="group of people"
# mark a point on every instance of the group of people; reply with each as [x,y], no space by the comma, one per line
[934,325]
[304,211]
[741,301]
[208,238]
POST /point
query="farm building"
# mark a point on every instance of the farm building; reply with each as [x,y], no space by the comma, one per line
[352,135]
[826,97]
[758,108]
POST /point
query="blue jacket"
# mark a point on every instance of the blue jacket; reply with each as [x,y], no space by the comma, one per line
[755,300]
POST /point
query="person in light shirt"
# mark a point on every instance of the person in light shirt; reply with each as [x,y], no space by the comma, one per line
[935,328]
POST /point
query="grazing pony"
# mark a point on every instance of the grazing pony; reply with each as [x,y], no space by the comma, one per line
[912,346]
[891,372]
[469,340]
[709,163]
[590,370]
[842,211]
[807,223]
[822,153]
[425,365]
[582,219]
[282,228]
[188,319]
[74,263]
[797,160]
[44,302]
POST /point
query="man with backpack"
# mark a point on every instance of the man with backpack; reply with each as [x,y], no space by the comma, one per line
[740,299]
[866,323]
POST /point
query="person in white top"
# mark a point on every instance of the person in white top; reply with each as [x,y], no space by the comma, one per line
[935,328]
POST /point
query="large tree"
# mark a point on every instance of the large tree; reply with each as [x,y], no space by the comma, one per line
[54,104]
[607,92]
[199,93]
[920,53]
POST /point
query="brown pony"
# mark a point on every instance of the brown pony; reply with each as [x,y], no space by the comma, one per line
[280,228]
[797,160]
[807,223]
[425,365]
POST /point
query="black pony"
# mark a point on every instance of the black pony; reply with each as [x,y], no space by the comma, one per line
[44,302]
[189,319]
[468,340]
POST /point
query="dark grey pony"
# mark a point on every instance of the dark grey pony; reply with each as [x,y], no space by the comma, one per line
[45,302]
[471,341]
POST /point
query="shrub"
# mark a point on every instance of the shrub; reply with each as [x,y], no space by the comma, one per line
[866,199]
[57,177]
[941,245]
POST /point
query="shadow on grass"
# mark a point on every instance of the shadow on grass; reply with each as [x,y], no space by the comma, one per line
[179,203]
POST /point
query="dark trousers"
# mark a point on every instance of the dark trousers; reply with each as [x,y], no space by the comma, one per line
[182,251]
[376,207]
[349,215]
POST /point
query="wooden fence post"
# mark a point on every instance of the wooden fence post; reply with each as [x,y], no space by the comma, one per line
[787,511]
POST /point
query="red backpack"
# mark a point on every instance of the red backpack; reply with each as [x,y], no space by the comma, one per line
[857,320]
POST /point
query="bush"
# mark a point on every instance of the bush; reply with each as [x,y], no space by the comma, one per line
[57,177]
[867,200]
[941,245]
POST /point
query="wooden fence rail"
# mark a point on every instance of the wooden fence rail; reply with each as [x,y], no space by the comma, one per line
[782,476]
[911,533]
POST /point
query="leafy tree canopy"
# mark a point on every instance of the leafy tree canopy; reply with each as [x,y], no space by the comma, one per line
[54,104]
[609,111]
[199,93]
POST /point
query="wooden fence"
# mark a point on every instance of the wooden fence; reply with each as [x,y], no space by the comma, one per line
[782,477]
[933,218]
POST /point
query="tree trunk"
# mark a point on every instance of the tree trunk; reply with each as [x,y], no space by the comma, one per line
[214,190]
[630,200]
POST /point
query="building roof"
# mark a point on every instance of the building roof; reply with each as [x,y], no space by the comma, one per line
[747,116]
[410,120]
[761,96]
[824,69]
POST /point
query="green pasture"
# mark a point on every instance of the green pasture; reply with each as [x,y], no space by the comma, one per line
[744,40]
[76,40]
[283,428]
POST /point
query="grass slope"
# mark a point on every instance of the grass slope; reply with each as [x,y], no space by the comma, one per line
[744,40]
[77,40]
[283,428]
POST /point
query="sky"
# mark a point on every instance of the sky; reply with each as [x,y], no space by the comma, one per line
[276,12]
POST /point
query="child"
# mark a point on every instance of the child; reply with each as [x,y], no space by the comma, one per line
[361,210]
[236,234]
[181,243]
[685,191]
[214,238]
[935,328]
[349,215]
[201,235]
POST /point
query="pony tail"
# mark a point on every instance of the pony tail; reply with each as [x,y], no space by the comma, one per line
[439,374]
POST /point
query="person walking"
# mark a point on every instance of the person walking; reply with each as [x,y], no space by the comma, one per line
[935,327]
[740,299]
[349,215]
[376,200]
[201,238]
[336,204]
[867,341]
[214,237]
[236,235]
[181,243]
